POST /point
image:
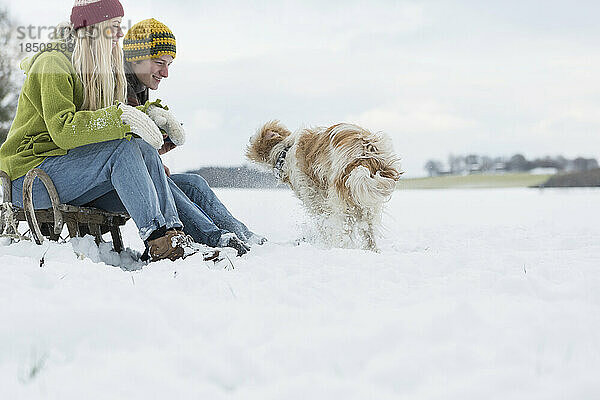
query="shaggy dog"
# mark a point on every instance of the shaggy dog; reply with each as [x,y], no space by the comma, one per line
[342,174]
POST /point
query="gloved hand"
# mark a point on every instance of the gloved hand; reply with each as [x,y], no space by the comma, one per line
[165,120]
[141,125]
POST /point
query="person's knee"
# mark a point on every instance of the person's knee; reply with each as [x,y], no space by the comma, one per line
[141,143]
[198,181]
[190,182]
[126,147]
[149,153]
[145,147]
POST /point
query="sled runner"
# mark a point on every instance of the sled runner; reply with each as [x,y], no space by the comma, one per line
[49,223]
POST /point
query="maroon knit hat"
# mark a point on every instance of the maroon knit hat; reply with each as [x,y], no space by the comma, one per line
[91,12]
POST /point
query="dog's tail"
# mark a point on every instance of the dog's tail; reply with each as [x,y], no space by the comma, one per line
[369,184]
[370,178]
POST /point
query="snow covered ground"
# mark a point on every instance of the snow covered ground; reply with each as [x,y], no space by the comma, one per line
[477,294]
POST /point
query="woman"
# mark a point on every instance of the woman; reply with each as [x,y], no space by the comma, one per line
[72,122]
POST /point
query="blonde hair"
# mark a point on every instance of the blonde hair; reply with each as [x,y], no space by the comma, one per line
[98,64]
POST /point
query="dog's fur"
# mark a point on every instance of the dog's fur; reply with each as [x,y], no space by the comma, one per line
[343,173]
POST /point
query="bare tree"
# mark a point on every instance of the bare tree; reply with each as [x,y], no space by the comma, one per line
[457,164]
[8,85]
[433,167]
[487,164]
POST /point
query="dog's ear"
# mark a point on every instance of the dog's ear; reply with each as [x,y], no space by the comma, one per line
[273,130]
[268,135]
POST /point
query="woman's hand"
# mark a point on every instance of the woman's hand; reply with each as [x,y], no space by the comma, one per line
[141,125]
[165,120]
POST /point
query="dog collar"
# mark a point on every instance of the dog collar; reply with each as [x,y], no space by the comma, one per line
[278,167]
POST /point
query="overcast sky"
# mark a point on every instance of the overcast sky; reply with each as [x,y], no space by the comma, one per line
[440,77]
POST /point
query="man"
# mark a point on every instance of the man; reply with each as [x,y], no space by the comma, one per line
[149,48]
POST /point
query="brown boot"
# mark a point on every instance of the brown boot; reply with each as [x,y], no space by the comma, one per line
[166,247]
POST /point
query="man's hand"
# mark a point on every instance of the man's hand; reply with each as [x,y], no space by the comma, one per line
[167,170]
[166,147]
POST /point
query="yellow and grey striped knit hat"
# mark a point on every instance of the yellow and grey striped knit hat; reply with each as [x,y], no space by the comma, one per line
[148,39]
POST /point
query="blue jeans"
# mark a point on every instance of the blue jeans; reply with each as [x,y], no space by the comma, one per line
[203,215]
[202,196]
[132,169]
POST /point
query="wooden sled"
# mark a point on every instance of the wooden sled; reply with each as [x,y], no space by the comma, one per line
[49,223]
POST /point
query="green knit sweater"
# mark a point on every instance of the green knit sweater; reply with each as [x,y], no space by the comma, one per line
[49,121]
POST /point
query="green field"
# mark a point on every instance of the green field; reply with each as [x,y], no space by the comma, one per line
[473,181]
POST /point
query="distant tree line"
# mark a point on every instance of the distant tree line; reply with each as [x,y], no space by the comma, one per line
[238,177]
[473,163]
